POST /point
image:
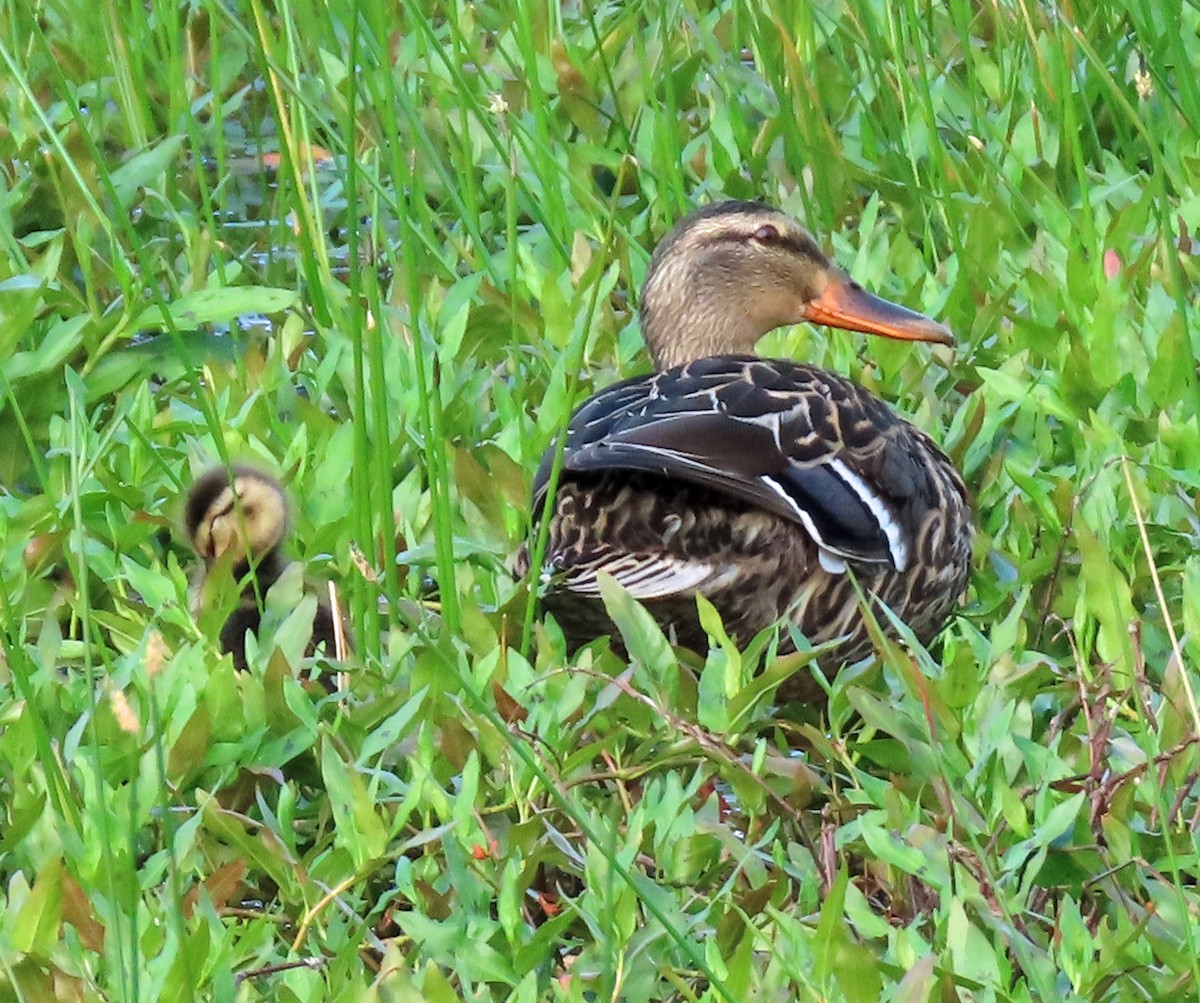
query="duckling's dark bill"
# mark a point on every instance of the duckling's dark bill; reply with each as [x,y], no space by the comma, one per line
[846,304]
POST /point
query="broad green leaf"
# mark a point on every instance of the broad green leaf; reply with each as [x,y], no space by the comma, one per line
[357,827]
[1106,596]
[643,637]
[35,928]
[146,169]
[216,306]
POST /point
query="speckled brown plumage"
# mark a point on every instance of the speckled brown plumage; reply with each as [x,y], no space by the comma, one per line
[756,482]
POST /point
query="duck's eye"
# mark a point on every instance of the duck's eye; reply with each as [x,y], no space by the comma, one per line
[768,234]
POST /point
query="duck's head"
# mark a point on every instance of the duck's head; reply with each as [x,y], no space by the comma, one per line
[732,271]
[242,510]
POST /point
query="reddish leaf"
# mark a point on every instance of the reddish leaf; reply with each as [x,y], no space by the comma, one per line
[221,886]
[77,910]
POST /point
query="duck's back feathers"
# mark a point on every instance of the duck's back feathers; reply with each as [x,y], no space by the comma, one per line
[802,443]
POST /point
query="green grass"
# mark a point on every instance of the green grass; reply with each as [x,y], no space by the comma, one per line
[401,332]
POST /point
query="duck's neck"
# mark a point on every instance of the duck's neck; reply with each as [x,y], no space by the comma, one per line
[686,316]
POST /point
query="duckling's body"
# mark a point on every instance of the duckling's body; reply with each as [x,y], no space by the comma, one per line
[246,516]
[758,483]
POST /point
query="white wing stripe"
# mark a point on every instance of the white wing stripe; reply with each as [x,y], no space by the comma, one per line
[644,577]
[805,518]
[891,529]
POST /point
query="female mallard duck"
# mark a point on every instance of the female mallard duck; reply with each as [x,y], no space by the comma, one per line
[758,483]
[244,512]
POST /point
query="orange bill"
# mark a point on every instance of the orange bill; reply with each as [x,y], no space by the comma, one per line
[846,304]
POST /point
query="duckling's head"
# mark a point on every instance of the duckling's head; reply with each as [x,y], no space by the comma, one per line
[732,271]
[245,513]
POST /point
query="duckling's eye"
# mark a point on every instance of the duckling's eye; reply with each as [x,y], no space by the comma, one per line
[768,234]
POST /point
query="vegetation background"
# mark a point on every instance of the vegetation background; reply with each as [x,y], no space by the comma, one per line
[384,250]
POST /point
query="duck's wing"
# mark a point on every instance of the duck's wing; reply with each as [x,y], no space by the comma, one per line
[794,440]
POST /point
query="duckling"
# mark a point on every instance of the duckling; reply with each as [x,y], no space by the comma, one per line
[246,516]
[775,489]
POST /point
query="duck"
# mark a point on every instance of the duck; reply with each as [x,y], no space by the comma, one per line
[779,491]
[243,512]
